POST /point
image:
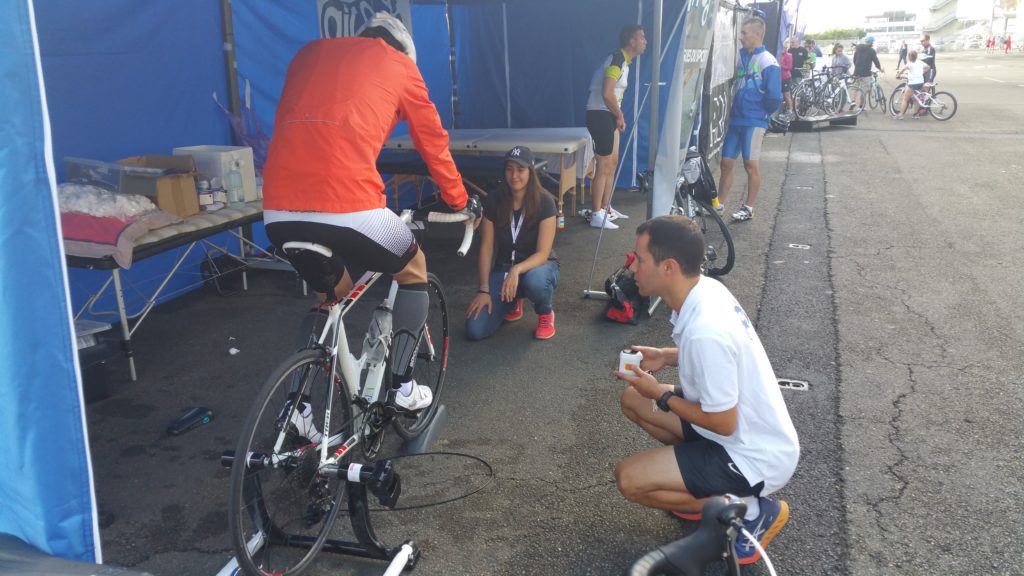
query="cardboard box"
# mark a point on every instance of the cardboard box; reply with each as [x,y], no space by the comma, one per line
[171,186]
[216,161]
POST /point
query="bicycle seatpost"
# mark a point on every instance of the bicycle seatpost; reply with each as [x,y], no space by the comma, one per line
[710,543]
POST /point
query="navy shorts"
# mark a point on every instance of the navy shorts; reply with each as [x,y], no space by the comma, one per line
[707,468]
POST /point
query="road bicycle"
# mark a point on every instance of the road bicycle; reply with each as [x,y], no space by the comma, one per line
[715,540]
[941,105]
[697,199]
[823,93]
[313,437]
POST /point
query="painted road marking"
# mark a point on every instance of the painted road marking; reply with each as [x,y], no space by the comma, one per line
[994,80]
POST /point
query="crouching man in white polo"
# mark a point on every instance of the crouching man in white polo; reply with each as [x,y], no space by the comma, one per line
[725,427]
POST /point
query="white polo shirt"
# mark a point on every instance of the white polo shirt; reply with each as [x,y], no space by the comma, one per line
[722,365]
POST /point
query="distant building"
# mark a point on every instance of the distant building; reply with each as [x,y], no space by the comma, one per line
[943,23]
[892,28]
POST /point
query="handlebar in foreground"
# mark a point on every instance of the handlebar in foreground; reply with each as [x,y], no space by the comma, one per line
[714,540]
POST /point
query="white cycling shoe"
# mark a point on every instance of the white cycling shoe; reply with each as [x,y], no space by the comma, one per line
[302,420]
[418,399]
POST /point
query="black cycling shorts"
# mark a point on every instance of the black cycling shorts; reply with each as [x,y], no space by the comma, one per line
[380,242]
[601,124]
[707,468]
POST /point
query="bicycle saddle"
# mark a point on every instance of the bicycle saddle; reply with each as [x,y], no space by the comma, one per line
[316,264]
[22,559]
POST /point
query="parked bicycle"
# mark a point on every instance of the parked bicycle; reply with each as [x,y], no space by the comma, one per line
[697,198]
[312,440]
[824,93]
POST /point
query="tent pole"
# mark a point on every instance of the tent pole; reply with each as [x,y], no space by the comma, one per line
[508,85]
[451,61]
[652,147]
[636,92]
[235,106]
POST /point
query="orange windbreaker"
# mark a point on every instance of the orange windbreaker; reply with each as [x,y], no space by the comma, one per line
[342,97]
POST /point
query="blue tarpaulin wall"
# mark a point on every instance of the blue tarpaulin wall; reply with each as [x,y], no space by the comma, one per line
[124,79]
[46,495]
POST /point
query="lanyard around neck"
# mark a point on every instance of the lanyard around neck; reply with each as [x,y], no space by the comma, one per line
[516,227]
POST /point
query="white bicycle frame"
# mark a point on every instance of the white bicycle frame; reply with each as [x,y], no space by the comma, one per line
[342,357]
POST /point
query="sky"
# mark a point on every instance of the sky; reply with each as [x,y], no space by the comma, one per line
[821,15]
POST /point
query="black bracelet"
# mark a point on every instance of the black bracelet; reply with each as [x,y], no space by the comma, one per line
[483,292]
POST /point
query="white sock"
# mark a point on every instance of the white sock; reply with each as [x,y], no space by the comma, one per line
[753,508]
[406,388]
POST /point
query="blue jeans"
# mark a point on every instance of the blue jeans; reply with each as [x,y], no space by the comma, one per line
[537,286]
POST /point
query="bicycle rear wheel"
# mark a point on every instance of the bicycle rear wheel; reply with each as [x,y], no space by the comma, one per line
[719,252]
[942,106]
[431,361]
[281,506]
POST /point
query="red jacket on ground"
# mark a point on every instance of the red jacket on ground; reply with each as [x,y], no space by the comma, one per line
[342,98]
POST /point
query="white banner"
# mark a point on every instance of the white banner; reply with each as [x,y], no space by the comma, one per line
[683,101]
[340,18]
[720,89]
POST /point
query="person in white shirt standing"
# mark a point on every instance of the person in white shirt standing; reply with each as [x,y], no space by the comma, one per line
[726,426]
[916,70]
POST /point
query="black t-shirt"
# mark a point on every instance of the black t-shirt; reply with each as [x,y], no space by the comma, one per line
[927,55]
[526,241]
[799,57]
[863,57]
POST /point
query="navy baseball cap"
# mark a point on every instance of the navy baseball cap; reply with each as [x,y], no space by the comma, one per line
[520,155]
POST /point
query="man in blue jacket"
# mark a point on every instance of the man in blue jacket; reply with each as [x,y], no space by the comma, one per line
[758,95]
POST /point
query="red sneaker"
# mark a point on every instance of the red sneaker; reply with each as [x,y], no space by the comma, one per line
[691,516]
[545,326]
[515,313]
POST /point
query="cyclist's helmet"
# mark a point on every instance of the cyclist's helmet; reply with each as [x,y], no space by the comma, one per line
[395,28]
[778,123]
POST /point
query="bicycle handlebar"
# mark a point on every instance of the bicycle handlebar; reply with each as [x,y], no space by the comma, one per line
[714,538]
[445,217]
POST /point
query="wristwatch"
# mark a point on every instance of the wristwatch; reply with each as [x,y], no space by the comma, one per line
[663,401]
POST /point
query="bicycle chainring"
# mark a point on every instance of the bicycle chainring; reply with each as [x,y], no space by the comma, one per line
[372,426]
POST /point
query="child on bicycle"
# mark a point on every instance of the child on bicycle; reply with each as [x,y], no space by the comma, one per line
[725,427]
[916,70]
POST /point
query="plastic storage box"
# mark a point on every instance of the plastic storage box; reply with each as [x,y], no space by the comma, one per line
[215,162]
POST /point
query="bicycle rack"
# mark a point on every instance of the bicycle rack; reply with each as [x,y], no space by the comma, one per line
[367,544]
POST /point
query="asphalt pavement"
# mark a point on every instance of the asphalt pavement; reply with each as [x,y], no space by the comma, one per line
[880,268]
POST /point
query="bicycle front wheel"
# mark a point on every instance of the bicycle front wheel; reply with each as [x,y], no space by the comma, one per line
[942,106]
[718,248]
[896,99]
[431,361]
[873,100]
[879,99]
[282,507]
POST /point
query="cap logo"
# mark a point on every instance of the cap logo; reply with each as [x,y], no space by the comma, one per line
[517,151]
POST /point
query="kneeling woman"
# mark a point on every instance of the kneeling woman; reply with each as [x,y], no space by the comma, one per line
[517,255]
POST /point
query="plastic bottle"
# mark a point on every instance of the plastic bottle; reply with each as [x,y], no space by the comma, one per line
[561,220]
[234,185]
